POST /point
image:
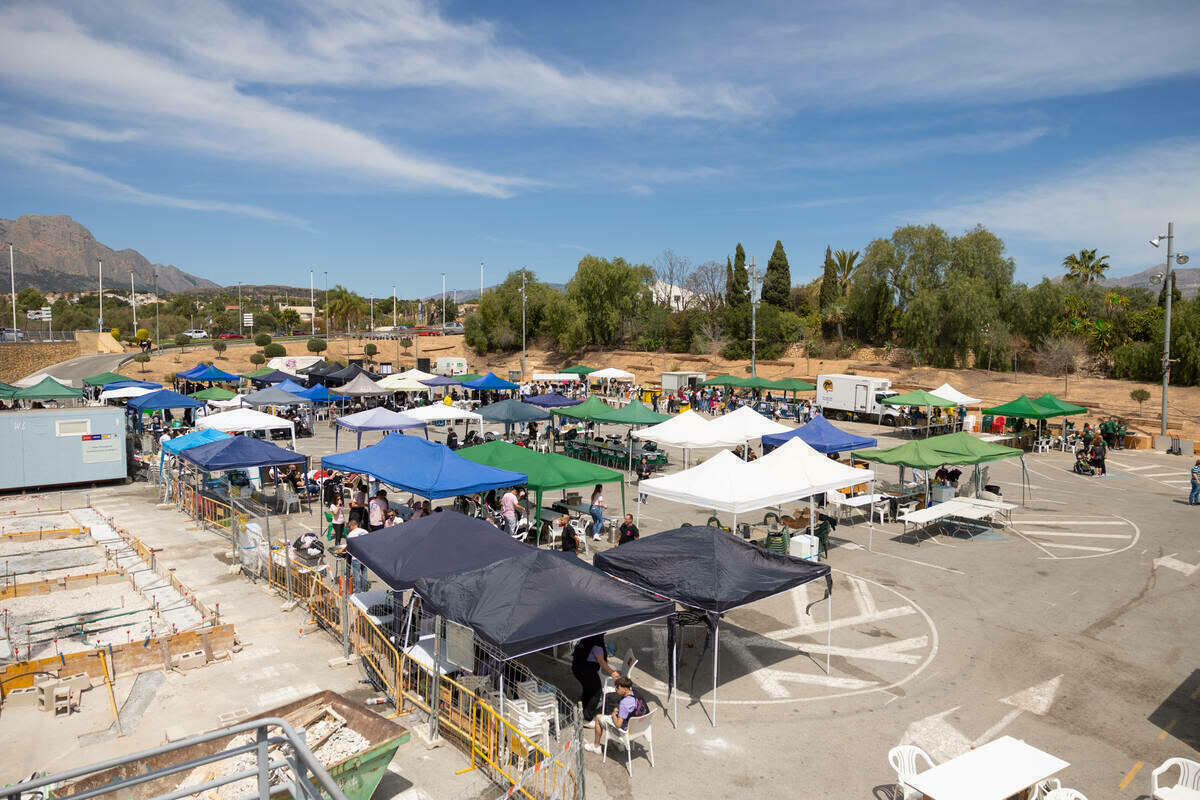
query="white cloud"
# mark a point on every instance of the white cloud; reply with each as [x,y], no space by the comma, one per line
[1113,204]
[639,190]
[844,156]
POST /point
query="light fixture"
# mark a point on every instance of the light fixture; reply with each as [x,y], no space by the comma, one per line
[1156,240]
[1157,278]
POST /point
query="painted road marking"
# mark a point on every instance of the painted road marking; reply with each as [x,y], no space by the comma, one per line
[1171,562]
[1105,521]
[1032,542]
[1135,469]
[1129,775]
[1077,547]
[1174,473]
[1089,535]
[892,651]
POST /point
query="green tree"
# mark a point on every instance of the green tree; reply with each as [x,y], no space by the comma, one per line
[406,342]
[740,289]
[1085,267]
[846,260]
[219,346]
[609,294]
[370,351]
[1176,295]
[274,350]
[289,319]
[258,359]
[1139,396]
[728,280]
[29,299]
[181,340]
[777,282]
[262,340]
[142,358]
[830,291]
[316,346]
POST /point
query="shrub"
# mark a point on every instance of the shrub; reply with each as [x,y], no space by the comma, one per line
[262,339]
[316,345]
[274,350]
[370,351]
[142,358]
[182,339]
[142,334]
[257,359]
[219,346]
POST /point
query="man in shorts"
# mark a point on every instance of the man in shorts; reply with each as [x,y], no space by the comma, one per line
[628,707]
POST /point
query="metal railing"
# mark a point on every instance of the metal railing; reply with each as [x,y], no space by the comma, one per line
[283,763]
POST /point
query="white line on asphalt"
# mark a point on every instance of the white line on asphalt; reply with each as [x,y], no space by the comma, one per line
[922,563]
[1088,535]
[1078,547]
[1035,544]
[891,651]
[1143,466]
[1117,464]
[1068,522]
[807,628]
[1161,474]
[862,596]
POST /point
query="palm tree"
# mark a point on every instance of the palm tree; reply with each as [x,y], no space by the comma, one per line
[845,261]
[1085,267]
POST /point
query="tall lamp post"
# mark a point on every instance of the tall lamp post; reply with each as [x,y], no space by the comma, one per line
[157,303]
[1168,290]
[240,317]
[100,273]
[327,327]
[524,272]
[312,304]
[753,320]
[12,275]
[443,302]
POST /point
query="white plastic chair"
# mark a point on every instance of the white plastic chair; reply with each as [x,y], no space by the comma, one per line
[905,759]
[1188,785]
[1039,790]
[556,530]
[636,728]
[288,498]
[539,701]
[628,661]
[1063,794]
[583,531]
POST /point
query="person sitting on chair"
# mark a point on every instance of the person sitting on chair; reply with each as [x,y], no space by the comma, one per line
[570,541]
[628,706]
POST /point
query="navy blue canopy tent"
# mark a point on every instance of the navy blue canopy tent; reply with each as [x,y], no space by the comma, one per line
[441,380]
[425,468]
[347,374]
[432,547]
[821,435]
[511,411]
[240,452]
[132,384]
[278,376]
[163,399]
[538,599]
[551,400]
[706,568]
[207,372]
[489,382]
[318,393]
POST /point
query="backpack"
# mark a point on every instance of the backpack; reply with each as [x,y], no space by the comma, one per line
[640,709]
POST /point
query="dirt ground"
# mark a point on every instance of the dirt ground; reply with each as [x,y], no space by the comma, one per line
[1104,395]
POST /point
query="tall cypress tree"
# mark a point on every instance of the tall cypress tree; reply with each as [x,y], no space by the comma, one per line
[830,290]
[728,281]
[777,283]
[740,290]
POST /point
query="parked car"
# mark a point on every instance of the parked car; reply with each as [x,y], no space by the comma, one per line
[196,334]
[231,335]
[454,328]
[11,335]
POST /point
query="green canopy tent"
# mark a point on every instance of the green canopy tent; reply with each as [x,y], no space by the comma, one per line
[919,398]
[1024,408]
[467,377]
[103,378]
[258,373]
[725,380]
[213,393]
[1063,408]
[6,391]
[956,449]
[591,409]
[635,413]
[47,389]
[578,369]
[546,471]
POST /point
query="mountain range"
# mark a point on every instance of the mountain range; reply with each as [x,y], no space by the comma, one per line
[1187,280]
[57,254]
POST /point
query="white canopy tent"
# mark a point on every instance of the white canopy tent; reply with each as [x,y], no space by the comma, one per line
[688,431]
[745,424]
[417,374]
[610,373]
[293,364]
[34,380]
[402,382]
[241,420]
[123,393]
[361,386]
[226,405]
[948,392]
[559,377]
[440,412]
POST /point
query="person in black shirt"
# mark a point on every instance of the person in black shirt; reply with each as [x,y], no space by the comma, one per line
[452,439]
[629,531]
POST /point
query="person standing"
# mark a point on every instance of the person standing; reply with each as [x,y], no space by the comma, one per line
[1194,497]
[1099,451]
[337,520]
[629,531]
[358,570]
[508,510]
[596,509]
[588,659]
[358,502]
[377,510]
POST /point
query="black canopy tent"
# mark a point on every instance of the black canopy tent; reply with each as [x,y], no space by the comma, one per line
[708,569]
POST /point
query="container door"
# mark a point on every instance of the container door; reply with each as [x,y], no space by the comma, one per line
[860,397]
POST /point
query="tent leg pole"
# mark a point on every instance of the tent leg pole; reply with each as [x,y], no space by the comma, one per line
[828,630]
[812,515]
[716,650]
[675,683]
[871,516]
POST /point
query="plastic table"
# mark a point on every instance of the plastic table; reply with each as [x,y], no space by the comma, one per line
[998,770]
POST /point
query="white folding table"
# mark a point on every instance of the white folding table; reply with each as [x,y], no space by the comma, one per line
[868,501]
[1000,769]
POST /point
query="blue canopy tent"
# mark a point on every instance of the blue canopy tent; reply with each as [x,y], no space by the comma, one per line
[511,412]
[821,435]
[374,419]
[208,373]
[240,452]
[441,380]
[490,382]
[187,441]
[274,396]
[551,400]
[161,400]
[422,467]
[278,376]
[132,384]
[291,386]
[318,393]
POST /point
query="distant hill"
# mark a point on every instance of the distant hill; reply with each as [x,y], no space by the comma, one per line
[1187,280]
[467,295]
[56,254]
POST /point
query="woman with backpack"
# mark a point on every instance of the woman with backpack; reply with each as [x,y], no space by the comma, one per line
[628,706]
[589,657]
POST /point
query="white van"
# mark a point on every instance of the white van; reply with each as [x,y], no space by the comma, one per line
[856,397]
[450,367]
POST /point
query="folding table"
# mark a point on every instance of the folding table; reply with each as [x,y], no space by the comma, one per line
[998,770]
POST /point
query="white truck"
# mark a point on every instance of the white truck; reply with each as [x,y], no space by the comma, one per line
[450,366]
[856,397]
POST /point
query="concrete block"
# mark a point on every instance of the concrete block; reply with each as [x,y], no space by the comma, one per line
[22,698]
[191,660]
[80,682]
[174,733]
[342,663]
[288,605]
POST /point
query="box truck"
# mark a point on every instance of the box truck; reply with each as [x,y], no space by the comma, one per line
[450,366]
[856,397]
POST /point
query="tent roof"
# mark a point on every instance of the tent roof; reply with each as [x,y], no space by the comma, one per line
[125,383]
[759,382]
[274,396]
[240,452]
[34,380]
[438,380]
[259,372]
[1063,408]
[162,399]
[361,386]
[723,484]
[556,377]
[707,568]
[611,372]
[401,383]
[291,386]
[123,392]
[591,408]
[103,378]
[274,376]
[243,419]
[815,471]
[234,402]
[6,391]
[293,364]
[544,471]
[440,411]
[318,393]
[794,385]
[378,419]
[321,367]
[745,424]
[579,369]
[467,377]
[538,599]
[823,436]
[920,397]
[633,413]
[724,380]
[510,411]
[489,381]
[208,372]
[1023,408]
[950,393]
[432,547]
[551,400]
[425,468]
[193,439]
[688,429]
[952,448]
[350,373]
[213,393]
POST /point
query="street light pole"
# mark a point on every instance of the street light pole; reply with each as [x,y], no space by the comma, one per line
[133,302]
[312,304]
[443,302]
[12,275]
[1167,291]
[480,281]
[524,272]
[241,328]
[372,313]
[157,303]
[753,320]
[100,272]
[327,328]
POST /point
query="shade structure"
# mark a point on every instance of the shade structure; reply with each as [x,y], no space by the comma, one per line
[274,376]
[400,383]
[744,424]
[432,547]
[259,372]
[425,468]
[610,373]
[125,383]
[6,391]
[321,367]
[438,380]
[347,374]
[419,374]
[1061,407]
[759,382]
[557,377]
[241,420]
[920,397]
[123,393]
[440,412]
[490,382]
[823,436]
[551,400]
[538,599]
[193,439]
[689,430]
[722,483]
[213,393]
[274,396]
[318,393]
[240,452]
[467,377]
[163,399]
[544,471]
[952,448]
[293,364]
[512,411]
[40,377]
[361,386]
[224,405]
[592,408]
[374,419]
[579,369]
[291,386]
[207,372]
[1023,408]
[103,378]
[794,385]
[635,412]
[724,380]
[958,398]
[811,471]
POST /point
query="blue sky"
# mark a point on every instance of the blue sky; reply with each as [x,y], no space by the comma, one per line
[389,142]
